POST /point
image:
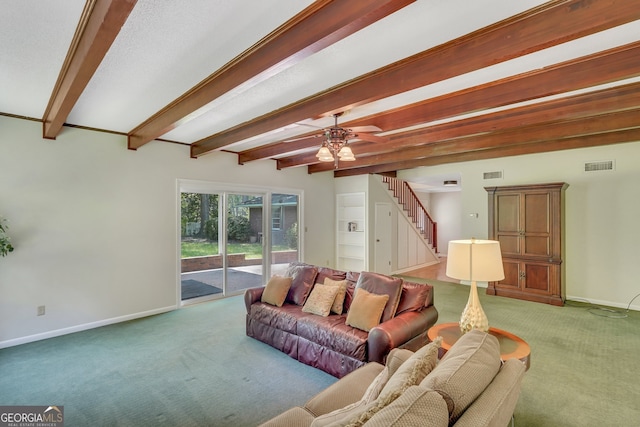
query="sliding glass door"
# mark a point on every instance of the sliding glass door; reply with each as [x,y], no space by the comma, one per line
[244,242]
[227,236]
[284,231]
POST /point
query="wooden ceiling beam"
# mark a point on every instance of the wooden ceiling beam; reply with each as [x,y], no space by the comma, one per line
[516,149]
[592,70]
[603,67]
[99,25]
[550,24]
[584,105]
[320,25]
[626,119]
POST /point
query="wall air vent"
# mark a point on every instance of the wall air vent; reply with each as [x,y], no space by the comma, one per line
[492,175]
[607,165]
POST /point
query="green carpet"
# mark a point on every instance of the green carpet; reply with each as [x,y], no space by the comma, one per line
[190,367]
[585,369]
[196,367]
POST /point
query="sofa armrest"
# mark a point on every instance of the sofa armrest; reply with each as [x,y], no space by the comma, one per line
[397,331]
[347,390]
[251,296]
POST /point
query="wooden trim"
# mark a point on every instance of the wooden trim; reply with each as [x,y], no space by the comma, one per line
[539,28]
[99,26]
[321,24]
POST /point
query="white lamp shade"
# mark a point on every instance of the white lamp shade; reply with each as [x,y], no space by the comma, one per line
[324,155]
[346,154]
[475,260]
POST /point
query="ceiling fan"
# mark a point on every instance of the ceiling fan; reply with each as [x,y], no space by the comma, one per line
[335,141]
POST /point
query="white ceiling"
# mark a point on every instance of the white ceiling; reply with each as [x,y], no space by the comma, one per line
[167,47]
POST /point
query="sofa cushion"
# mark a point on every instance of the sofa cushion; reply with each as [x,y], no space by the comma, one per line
[495,406]
[417,406]
[324,272]
[276,290]
[303,277]
[320,300]
[382,285]
[414,297]
[366,309]
[333,333]
[284,318]
[475,355]
[338,303]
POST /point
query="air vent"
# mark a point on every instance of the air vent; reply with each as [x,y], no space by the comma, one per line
[607,165]
[492,175]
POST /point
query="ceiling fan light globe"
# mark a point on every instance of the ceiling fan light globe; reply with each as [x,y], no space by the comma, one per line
[345,153]
[324,155]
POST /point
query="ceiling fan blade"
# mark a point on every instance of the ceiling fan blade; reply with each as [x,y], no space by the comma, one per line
[369,137]
[302,138]
[365,129]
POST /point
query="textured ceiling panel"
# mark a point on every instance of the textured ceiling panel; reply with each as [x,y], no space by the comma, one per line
[167,47]
[34,39]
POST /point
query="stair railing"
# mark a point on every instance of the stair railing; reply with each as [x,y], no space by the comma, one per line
[414,208]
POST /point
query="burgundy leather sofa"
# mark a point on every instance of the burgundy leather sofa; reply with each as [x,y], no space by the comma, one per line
[328,343]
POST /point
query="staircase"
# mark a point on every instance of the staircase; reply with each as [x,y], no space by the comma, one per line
[414,209]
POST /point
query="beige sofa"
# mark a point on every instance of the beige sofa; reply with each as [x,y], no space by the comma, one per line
[469,387]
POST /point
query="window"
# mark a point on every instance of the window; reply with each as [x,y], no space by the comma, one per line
[276,217]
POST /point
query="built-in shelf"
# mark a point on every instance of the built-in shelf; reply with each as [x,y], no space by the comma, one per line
[351,235]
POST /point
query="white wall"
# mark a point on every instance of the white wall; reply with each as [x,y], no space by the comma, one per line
[446,212]
[602,212]
[94,225]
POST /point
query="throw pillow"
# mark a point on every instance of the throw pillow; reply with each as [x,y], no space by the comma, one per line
[366,310]
[276,290]
[303,277]
[381,284]
[475,355]
[350,411]
[396,358]
[338,303]
[418,406]
[410,373]
[415,369]
[320,300]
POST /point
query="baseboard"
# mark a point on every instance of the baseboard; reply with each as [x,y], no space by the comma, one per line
[83,327]
[604,303]
[416,267]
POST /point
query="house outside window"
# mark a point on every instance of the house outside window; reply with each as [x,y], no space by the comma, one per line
[276,218]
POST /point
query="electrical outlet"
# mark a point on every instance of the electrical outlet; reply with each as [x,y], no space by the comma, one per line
[41,310]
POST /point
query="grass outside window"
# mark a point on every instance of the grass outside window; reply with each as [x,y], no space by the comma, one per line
[204,248]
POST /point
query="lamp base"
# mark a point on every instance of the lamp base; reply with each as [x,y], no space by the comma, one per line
[473,316]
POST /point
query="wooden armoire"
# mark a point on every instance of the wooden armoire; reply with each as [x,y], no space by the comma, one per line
[528,221]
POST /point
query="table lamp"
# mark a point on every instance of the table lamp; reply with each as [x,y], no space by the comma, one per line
[473,260]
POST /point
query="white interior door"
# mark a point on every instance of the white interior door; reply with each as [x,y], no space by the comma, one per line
[382,244]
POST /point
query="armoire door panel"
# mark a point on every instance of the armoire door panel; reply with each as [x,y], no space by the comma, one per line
[509,245]
[511,274]
[537,277]
[508,213]
[537,246]
[536,213]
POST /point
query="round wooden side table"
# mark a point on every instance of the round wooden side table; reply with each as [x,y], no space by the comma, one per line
[511,346]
